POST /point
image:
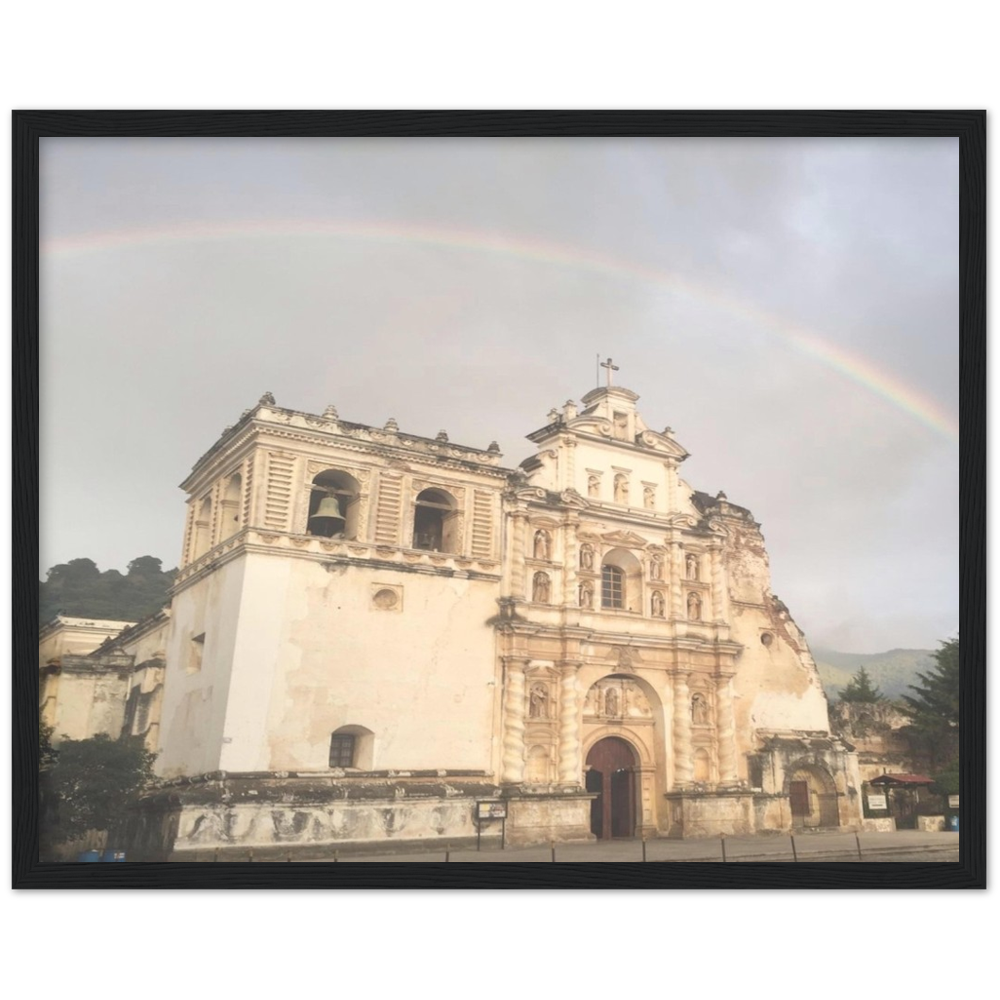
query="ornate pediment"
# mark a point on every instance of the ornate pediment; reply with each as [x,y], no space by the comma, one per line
[571,498]
[627,539]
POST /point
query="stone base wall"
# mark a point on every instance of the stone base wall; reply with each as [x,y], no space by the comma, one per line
[306,816]
[882,825]
[709,814]
[543,819]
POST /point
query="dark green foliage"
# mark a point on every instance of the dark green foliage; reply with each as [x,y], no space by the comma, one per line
[892,670]
[79,589]
[933,708]
[861,689]
[93,782]
[47,754]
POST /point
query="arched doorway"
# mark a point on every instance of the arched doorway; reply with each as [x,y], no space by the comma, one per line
[812,796]
[611,769]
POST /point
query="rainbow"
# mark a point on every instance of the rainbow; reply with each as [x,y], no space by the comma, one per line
[854,366]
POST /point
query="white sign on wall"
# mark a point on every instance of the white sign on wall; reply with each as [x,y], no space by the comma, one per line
[952,801]
[876,802]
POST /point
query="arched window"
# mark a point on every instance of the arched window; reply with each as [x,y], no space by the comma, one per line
[612,587]
[334,505]
[231,501]
[352,747]
[203,528]
[621,581]
[435,522]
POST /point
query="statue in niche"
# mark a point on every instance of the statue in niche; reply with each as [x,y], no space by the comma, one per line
[648,497]
[538,702]
[656,568]
[657,604]
[621,489]
[611,702]
[593,486]
[692,566]
[587,556]
[694,607]
[621,426]
[590,702]
[586,594]
[699,709]
[542,545]
[540,588]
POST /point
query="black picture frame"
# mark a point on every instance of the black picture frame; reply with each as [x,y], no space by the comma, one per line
[969,127]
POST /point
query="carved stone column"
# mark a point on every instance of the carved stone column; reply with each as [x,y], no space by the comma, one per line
[517,564]
[718,589]
[676,570]
[513,720]
[569,736]
[570,561]
[726,730]
[683,764]
[671,467]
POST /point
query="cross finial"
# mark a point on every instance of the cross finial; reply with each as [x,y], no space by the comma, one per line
[611,367]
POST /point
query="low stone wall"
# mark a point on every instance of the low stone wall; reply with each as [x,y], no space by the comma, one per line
[541,819]
[707,814]
[932,824]
[884,824]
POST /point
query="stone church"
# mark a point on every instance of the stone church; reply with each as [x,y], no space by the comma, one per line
[376,636]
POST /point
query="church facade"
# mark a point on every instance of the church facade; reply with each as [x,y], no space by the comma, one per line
[378,637]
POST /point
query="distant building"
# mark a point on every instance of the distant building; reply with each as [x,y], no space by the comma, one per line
[372,633]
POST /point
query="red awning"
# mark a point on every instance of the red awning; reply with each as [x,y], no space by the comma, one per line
[902,779]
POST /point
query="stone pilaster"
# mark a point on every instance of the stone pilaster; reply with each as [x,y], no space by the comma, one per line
[726,730]
[683,764]
[676,571]
[719,610]
[513,720]
[517,583]
[569,736]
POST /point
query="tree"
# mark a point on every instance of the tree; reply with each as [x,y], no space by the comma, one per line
[933,710]
[861,689]
[94,781]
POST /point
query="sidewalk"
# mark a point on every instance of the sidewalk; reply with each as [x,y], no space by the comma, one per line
[903,845]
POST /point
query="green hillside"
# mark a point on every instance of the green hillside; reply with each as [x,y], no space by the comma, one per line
[892,671]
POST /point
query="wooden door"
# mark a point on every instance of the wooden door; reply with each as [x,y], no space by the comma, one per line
[611,773]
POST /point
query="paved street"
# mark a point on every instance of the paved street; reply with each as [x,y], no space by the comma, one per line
[903,845]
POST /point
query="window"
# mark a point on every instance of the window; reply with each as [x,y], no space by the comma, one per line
[612,587]
[435,522]
[342,750]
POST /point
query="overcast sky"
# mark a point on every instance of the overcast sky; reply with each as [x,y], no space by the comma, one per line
[789,307]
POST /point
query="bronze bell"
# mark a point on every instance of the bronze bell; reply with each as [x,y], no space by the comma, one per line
[332,522]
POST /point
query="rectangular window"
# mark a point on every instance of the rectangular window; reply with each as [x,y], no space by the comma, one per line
[342,751]
[612,587]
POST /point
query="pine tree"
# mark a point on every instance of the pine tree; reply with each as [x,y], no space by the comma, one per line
[861,689]
[933,710]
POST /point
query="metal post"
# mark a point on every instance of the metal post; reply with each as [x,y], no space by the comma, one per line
[335,858]
[216,858]
[722,840]
[552,844]
[479,832]
[503,833]
[795,854]
[447,853]
[251,854]
[858,841]
[644,848]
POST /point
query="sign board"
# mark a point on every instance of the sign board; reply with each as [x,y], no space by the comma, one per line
[492,810]
[952,801]
[876,802]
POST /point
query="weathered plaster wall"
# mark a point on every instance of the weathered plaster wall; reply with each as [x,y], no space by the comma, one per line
[196,686]
[316,652]
[89,699]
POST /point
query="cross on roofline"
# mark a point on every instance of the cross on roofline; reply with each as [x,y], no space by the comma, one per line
[611,367]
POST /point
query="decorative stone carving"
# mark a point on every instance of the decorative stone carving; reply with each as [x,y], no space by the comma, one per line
[586,594]
[657,604]
[694,607]
[593,486]
[699,709]
[266,400]
[543,545]
[540,588]
[331,413]
[612,707]
[648,497]
[538,701]
[569,740]
[692,566]
[587,557]
[656,567]
[621,488]
[513,735]
[616,698]
[626,658]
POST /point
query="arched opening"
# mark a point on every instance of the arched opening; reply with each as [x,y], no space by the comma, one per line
[611,773]
[621,581]
[334,505]
[230,507]
[435,522]
[812,796]
[352,747]
[203,528]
